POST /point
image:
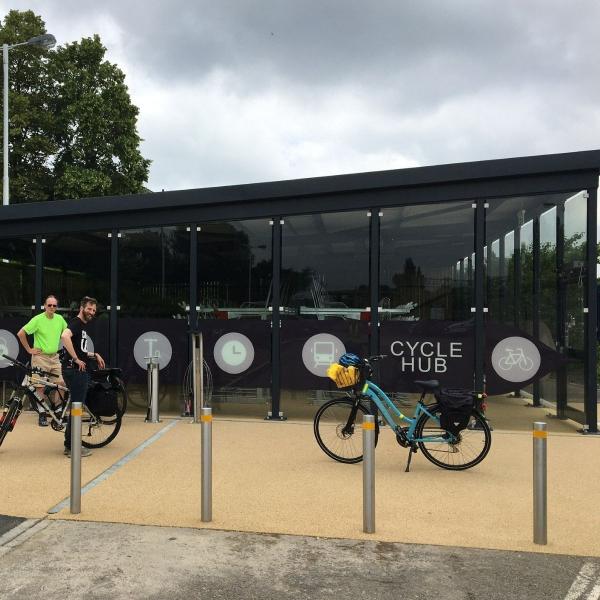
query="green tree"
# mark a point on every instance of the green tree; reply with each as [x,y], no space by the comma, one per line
[73,127]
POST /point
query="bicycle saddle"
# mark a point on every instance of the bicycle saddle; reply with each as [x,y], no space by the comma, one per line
[431,384]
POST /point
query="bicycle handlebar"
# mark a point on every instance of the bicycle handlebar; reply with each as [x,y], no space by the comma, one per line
[376,358]
[28,370]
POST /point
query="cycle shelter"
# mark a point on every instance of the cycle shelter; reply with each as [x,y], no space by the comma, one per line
[481,275]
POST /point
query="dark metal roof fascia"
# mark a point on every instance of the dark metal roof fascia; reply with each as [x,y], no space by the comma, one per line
[297,188]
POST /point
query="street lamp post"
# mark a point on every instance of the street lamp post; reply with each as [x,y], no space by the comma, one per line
[46,40]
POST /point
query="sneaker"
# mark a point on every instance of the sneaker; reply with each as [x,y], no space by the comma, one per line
[84,452]
[42,420]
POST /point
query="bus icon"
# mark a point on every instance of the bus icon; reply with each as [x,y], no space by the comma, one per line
[324,353]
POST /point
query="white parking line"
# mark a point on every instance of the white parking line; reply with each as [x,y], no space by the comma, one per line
[586,578]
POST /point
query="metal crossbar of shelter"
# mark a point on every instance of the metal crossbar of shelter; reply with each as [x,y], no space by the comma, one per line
[479,274]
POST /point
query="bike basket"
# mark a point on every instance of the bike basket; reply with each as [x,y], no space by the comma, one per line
[343,376]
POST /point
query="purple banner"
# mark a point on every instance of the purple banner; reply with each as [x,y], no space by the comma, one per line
[238,352]
[445,350]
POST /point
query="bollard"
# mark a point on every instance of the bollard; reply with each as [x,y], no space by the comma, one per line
[153,368]
[198,371]
[206,465]
[75,497]
[540,484]
[368,427]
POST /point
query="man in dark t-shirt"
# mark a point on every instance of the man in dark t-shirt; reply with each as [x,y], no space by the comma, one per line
[75,360]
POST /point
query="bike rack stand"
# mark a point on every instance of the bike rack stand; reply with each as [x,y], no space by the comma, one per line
[152,369]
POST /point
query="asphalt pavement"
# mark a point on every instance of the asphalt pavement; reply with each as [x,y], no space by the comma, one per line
[63,559]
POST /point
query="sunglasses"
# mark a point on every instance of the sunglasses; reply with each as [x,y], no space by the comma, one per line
[51,305]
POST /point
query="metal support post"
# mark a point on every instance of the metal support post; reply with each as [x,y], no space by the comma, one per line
[368,427]
[153,368]
[198,374]
[75,496]
[206,465]
[540,484]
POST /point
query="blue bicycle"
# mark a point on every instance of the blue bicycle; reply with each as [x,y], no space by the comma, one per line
[451,432]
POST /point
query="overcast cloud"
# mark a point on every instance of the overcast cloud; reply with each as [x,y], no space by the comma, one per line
[243,91]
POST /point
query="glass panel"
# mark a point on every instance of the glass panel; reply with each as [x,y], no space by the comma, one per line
[510,286]
[419,247]
[17,289]
[77,265]
[234,298]
[325,266]
[526,277]
[324,295]
[574,273]
[548,295]
[17,277]
[426,294]
[154,272]
[235,269]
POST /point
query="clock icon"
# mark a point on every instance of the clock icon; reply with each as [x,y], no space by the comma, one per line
[233,353]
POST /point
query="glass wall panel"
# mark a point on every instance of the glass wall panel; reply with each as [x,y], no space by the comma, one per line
[526,277]
[548,295]
[574,274]
[17,277]
[510,287]
[324,298]
[154,272]
[77,265]
[325,266]
[234,314]
[426,294]
[17,289]
[419,247]
[153,291]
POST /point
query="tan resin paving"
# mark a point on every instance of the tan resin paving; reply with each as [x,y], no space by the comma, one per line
[272,477]
[34,473]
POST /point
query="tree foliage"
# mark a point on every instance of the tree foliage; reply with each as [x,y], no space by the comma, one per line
[72,125]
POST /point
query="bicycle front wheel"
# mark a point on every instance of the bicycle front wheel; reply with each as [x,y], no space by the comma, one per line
[9,418]
[336,431]
[98,431]
[455,453]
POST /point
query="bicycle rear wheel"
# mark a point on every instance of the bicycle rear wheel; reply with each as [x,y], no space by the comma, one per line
[9,418]
[98,431]
[336,436]
[464,451]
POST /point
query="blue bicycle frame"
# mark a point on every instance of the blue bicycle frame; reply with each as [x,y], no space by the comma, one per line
[383,402]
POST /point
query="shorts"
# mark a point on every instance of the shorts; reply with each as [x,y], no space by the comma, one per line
[49,363]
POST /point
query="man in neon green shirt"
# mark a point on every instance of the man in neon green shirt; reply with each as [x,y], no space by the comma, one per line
[46,329]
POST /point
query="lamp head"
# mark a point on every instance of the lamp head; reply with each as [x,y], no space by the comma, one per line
[47,40]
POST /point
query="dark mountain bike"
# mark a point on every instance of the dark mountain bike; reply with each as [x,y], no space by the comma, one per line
[102,412]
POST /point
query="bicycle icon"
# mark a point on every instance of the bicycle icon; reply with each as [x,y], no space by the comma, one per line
[515,358]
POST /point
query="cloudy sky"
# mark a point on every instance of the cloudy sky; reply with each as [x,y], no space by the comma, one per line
[259,90]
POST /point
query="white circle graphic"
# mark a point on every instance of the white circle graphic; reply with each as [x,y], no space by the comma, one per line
[516,359]
[152,344]
[234,353]
[320,351]
[9,346]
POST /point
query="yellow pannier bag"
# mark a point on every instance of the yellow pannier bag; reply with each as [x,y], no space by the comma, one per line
[343,376]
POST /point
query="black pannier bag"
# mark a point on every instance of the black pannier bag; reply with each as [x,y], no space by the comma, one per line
[102,399]
[456,406]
